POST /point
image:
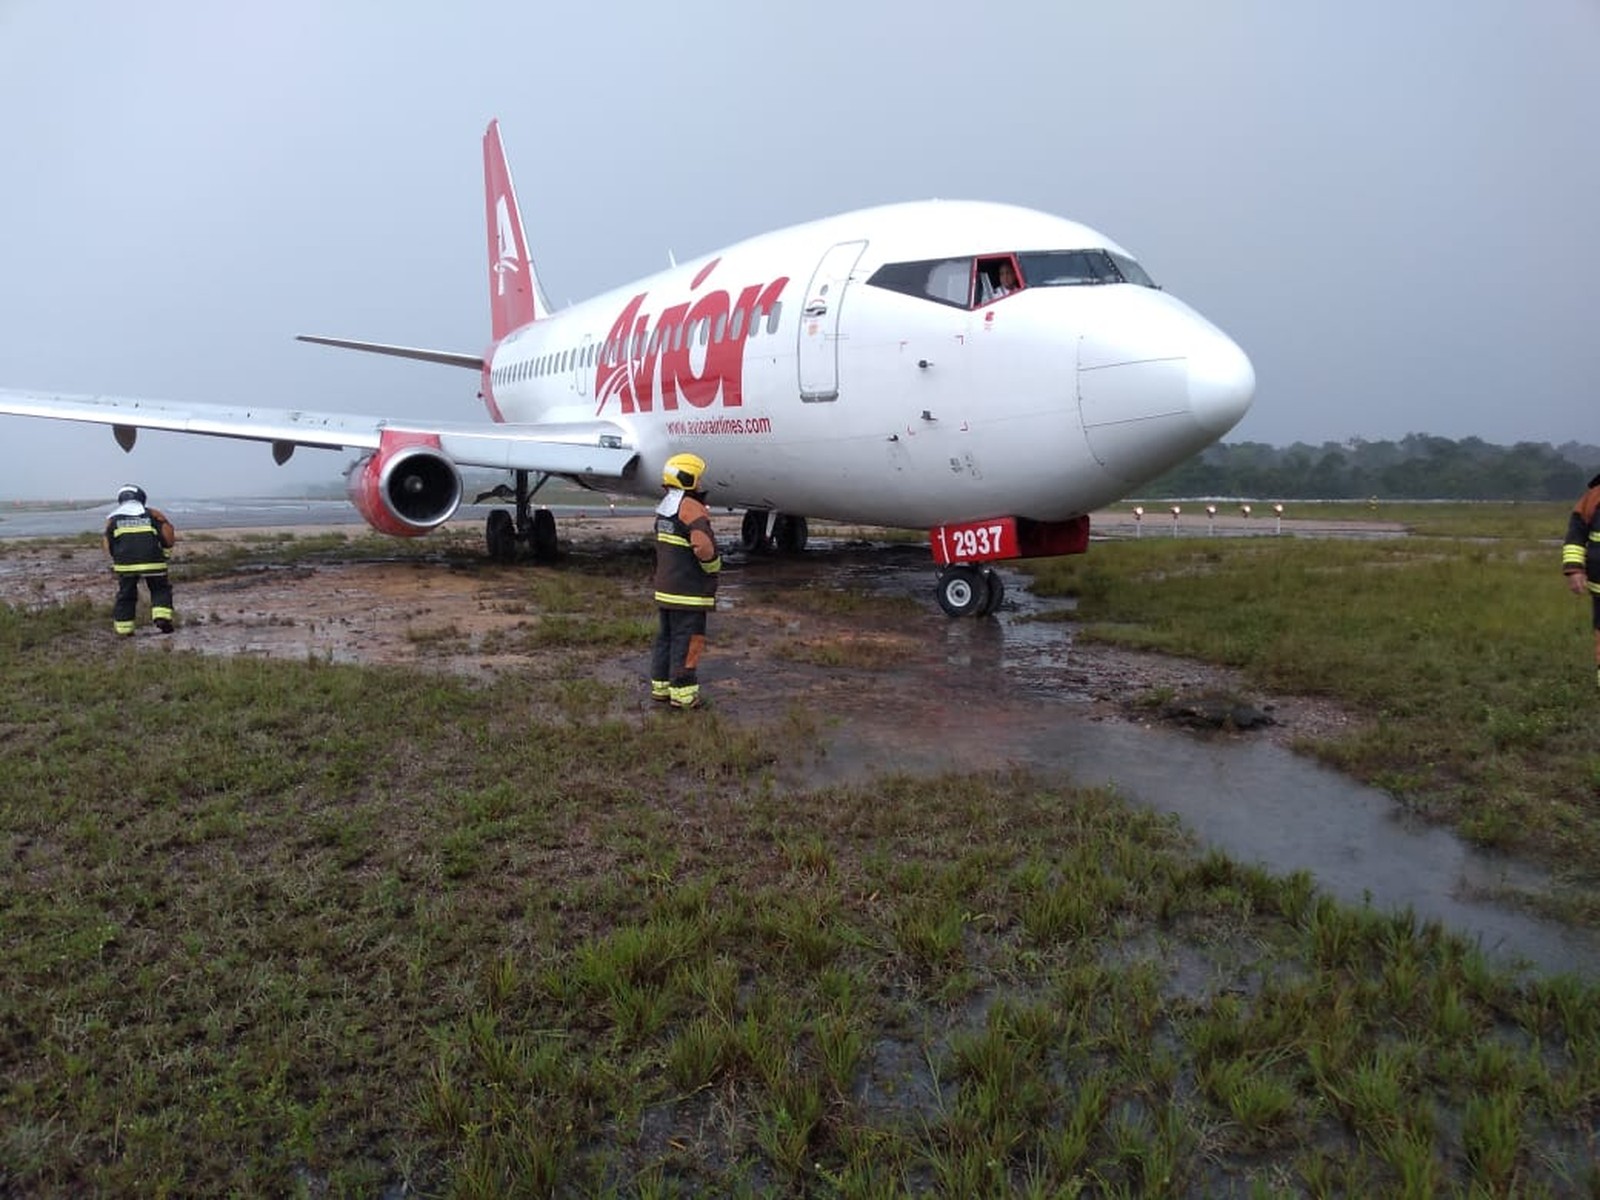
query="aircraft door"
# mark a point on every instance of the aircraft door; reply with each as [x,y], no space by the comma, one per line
[819,322]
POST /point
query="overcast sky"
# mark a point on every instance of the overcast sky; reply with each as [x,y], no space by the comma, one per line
[1393,207]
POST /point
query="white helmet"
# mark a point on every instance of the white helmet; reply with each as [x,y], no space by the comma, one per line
[130,491]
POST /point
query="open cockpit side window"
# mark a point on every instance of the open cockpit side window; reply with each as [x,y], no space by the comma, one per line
[997,277]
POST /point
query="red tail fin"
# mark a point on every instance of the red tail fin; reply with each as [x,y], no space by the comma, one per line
[515,297]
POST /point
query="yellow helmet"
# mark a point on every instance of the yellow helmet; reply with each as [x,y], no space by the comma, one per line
[684,471]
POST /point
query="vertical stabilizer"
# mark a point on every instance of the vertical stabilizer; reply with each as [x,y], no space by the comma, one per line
[515,297]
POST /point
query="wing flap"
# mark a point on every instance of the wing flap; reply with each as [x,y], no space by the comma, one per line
[521,451]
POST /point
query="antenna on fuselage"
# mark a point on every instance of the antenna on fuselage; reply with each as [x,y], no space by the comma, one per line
[672,259]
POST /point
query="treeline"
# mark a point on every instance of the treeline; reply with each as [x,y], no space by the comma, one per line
[1417,467]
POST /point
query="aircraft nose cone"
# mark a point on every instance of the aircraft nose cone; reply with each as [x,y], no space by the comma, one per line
[1222,383]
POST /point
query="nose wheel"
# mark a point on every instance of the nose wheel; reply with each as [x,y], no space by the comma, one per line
[968,590]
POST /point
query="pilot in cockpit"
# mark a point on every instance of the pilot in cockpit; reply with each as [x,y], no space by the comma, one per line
[1005,280]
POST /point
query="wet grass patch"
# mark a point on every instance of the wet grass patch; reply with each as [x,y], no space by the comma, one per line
[854,651]
[831,599]
[1470,661]
[347,930]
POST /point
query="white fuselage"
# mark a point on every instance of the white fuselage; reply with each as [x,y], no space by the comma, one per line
[810,390]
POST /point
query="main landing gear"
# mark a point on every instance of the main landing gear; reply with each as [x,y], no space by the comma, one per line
[503,534]
[970,590]
[788,534]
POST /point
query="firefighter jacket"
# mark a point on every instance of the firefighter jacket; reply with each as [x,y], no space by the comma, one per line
[1580,551]
[138,539]
[687,562]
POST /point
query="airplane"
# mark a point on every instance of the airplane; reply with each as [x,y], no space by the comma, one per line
[989,373]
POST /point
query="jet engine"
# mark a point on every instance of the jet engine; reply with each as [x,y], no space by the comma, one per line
[407,487]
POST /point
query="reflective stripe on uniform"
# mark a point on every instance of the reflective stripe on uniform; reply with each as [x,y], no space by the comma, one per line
[142,568]
[692,601]
[672,539]
[712,567]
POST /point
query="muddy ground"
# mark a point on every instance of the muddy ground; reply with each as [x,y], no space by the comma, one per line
[844,652]
[778,640]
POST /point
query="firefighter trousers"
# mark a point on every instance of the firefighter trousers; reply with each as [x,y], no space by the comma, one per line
[680,640]
[160,585]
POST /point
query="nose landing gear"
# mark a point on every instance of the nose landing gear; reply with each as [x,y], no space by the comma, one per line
[967,590]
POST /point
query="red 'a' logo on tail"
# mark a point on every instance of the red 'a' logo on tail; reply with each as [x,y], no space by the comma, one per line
[513,290]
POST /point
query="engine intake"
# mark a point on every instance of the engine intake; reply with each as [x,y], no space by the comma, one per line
[405,488]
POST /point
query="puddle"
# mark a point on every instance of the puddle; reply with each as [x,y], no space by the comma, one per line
[1011,692]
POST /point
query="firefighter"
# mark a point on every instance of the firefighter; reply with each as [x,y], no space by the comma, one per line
[687,567]
[139,540]
[1580,556]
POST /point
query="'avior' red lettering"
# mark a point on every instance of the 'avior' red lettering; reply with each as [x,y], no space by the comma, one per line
[683,333]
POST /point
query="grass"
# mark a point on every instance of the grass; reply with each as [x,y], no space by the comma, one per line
[302,928]
[1471,662]
[1524,521]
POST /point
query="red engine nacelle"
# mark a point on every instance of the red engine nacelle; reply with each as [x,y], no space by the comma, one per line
[407,487]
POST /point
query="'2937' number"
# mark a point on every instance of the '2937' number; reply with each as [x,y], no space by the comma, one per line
[980,542]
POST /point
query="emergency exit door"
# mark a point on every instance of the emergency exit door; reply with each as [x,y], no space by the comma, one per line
[819,322]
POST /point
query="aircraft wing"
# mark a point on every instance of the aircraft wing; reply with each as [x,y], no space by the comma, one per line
[599,449]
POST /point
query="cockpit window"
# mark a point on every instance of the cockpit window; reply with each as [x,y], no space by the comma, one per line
[1132,272]
[946,280]
[1072,268]
[972,282]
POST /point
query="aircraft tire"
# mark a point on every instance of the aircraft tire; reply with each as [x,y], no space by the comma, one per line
[753,532]
[545,545]
[962,591]
[789,534]
[994,591]
[500,536]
